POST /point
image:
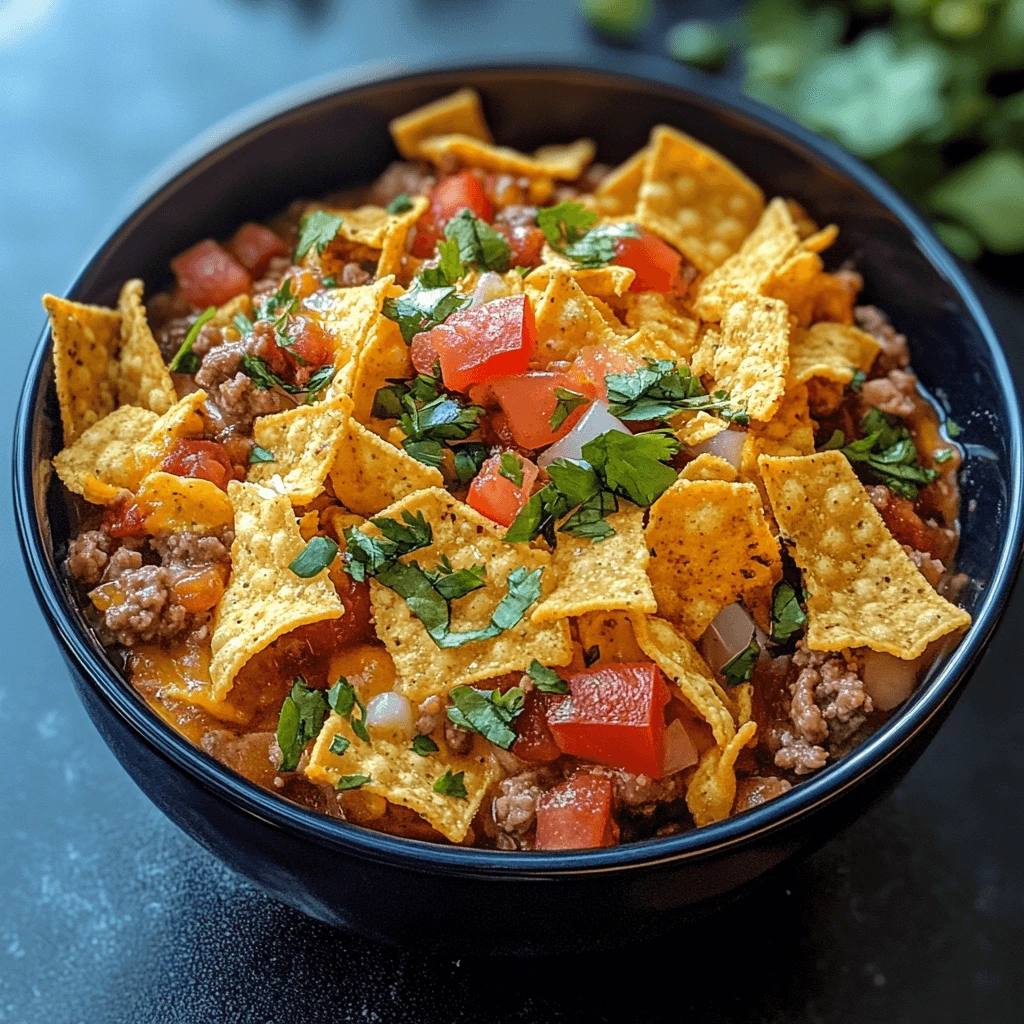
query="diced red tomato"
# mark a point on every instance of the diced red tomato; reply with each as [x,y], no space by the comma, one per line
[124,519]
[253,246]
[577,814]
[528,400]
[534,742]
[483,342]
[592,364]
[497,497]
[656,263]
[526,243]
[615,715]
[209,275]
[423,353]
[310,343]
[448,197]
[206,460]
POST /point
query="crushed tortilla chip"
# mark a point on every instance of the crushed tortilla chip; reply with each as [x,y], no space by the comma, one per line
[85,340]
[403,777]
[830,351]
[749,358]
[349,314]
[607,280]
[609,575]
[695,199]
[797,283]
[383,356]
[612,634]
[370,473]
[568,319]
[467,539]
[264,599]
[709,467]
[656,317]
[142,377]
[862,588]
[566,161]
[711,791]
[821,239]
[304,442]
[465,151]
[710,547]
[618,194]
[393,251]
[460,113]
[700,427]
[176,504]
[763,253]
[681,663]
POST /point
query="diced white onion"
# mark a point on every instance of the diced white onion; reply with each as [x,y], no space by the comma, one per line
[728,634]
[889,680]
[680,752]
[597,420]
[489,287]
[391,713]
[726,444]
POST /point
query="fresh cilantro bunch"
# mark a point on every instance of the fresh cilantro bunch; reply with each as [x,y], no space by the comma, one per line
[571,229]
[431,419]
[614,464]
[662,388]
[887,452]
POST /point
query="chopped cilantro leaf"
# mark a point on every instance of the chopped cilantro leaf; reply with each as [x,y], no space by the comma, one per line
[547,680]
[739,669]
[343,700]
[452,785]
[185,360]
[659,390]
[257,370]
[423,745]
[576,480]
[597,247]
[478,242]
[302,714]
[634,465]
[858,380]
[351,782]
[943,455]
[330,281]
[953,428]
[318,380]
[316,228]
[420,309]
[316,556]
[366,556]
[469,458]
[511,468]
[589,520]
[788,618]
[486,712]
[448,270]
[565,402]
[565,223]
[400,204]
[339,744]
[258,455]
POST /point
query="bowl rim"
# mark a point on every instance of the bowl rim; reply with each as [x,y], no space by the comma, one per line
[650,74]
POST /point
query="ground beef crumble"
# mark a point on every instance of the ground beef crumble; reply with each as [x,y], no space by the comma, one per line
[895,393]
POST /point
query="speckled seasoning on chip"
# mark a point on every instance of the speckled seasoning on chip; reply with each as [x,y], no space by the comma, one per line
[514,500]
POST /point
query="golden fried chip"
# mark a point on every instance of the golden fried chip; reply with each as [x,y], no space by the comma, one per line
[460,113]
[830,351]
[85,340]
[142,377]
[176,504]
[709,467]
[608,575]
[862,588]
[695,199]
[566,161]
[744,274]
[749,358]
[710,547]
[264,599]
[304,442]
[568,319]
[797,283]
[464,151]
[821,239]
[400,775]
[618,193]
[349,314]
[655,316]
[225,315]
[712,789]
[699,427]
[681,663]
[467,539]
[383,356]
[608,280]
[394,249]
[370,473]
[611,633]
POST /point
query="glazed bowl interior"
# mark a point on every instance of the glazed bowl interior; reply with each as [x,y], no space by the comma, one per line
[334,135]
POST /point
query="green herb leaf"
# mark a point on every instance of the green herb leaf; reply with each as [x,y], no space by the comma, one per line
[185,361]
[329,282]
[318,380]
[452,785]
[659,390]
[259,455]
[420,309]
[565,402]
[423,745]
[301,717]
[597,247]
[588,521]
[448,270]
[478,242]
[739,669]
[485,712]
[565,223]
[343,700]
[458,583]
[575,479]
[316,556]
[257,370]
[788,618]
[953,428]
[547,680]
[351,782]
[634,465]
[857,382]
[511,468]
[400,204]
[317,228]
[366,556]
[943,455]
[469,458]
[339,744]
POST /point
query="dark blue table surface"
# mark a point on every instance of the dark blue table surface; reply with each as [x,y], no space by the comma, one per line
[108,913]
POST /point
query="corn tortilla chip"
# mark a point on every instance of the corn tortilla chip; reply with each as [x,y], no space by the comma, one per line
[264,599]
[566,161]
[712,789]
[695,199]
[460,113]
[700,427]
[821,239]
[608,280]
[710,547]
[568,319]
[657,317]
[383,356]
[304,442]
[830,351]
[465,151]
[709,467]
[797,283]
[225,315]
[467,539]
[749,358]
[142,377]
[370,473]
[619,192]
[862,588]
[85,340]
[612,634]
[609,575]
[403,777]
[349,314]
[763,253]
[176,504]
[394,249]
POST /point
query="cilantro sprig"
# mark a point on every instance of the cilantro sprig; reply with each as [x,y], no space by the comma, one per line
[479,244]
[571,229]
[449,266]
[662,388]
[452,784]
[487,712]
[299,721]
[258,371]
[317,228]
[566,402]
[421,309]
[343,700]
[887,452]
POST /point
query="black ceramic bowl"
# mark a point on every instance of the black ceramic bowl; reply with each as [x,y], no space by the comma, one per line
[335,134]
